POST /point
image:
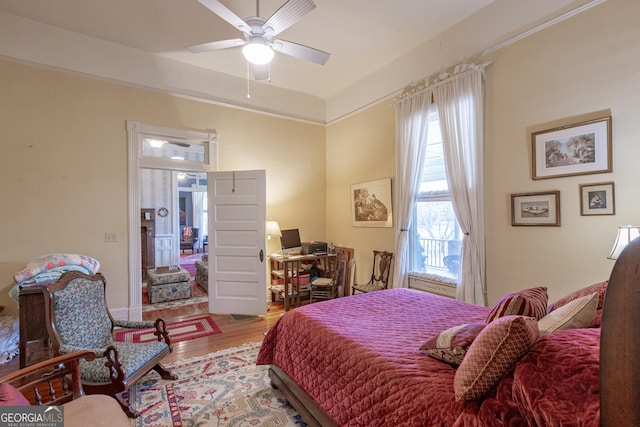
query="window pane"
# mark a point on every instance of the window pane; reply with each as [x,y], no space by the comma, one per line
[437,239]
[174,150]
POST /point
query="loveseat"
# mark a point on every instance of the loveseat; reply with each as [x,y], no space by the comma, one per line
[96,410]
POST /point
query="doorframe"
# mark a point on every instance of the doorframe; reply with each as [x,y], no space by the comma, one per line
[136,133]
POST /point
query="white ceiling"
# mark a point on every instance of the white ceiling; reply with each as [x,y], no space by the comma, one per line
[362,36]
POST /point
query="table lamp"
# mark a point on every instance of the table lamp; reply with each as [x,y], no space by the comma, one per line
[273,230]
[626,234]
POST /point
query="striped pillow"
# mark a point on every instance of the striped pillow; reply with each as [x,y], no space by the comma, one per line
[529,302]
[578,313]
[451,344]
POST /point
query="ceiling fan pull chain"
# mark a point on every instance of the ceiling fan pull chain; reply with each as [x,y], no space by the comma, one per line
[248,83]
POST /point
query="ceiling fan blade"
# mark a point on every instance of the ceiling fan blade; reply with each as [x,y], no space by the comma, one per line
[288,14]
[222,44]
[223,12]
[261,72]
[300,51]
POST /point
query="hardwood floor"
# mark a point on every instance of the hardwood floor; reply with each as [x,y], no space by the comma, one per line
[234,332]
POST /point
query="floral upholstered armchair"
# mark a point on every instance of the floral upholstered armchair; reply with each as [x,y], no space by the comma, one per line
[79,320]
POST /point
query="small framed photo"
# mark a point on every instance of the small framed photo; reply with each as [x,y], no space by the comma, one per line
[597,199]
[541,209]
[576,149]
[371,204]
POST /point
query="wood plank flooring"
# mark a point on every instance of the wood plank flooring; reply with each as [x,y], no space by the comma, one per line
[234,332]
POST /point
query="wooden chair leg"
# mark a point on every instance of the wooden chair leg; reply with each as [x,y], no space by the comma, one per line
[164,373]
[126,406]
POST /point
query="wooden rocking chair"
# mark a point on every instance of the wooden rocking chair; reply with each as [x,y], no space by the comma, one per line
[79,320]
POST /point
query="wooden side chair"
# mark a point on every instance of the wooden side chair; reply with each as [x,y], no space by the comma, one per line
[379,275]
[79,320]
[332,285]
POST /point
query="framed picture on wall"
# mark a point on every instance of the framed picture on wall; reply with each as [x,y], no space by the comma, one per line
[542,209]
[577,149]
[371,204]
[597,199]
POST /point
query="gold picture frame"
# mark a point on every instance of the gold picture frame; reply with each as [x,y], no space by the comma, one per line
[576,149]
[536,209]
[371,204]
[597,199]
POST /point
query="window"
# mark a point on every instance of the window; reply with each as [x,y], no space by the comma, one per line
[437,240]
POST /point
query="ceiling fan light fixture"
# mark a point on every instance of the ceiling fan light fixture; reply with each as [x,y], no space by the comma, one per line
[257,53]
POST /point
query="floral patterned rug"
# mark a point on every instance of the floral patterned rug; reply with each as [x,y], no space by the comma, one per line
[224,388]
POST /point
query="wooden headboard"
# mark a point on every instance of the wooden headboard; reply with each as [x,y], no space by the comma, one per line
[620,342]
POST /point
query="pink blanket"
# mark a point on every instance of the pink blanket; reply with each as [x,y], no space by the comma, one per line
[358,358]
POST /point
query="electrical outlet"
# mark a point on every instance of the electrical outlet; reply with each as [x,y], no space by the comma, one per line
[110,236]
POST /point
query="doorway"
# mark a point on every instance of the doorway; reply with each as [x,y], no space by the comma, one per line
[163,149]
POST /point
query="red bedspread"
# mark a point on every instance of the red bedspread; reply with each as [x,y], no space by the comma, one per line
[359,357]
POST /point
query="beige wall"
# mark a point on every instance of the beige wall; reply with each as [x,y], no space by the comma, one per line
[63,162]
[359,148]
[588,63]
[63,166]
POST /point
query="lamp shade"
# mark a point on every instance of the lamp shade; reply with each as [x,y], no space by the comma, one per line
[625,235]
[273,229]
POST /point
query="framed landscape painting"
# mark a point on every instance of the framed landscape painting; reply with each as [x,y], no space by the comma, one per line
[577,149]
[371,204]
[597,199]
[542,209]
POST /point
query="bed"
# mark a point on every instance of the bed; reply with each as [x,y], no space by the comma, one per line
[360,361]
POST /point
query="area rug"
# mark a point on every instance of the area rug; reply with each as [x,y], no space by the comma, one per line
[178,331]
[191,268]
[198,295]
[221,389]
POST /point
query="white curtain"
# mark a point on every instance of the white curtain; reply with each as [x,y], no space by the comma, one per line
[412,121]
[198,219]
[459,101]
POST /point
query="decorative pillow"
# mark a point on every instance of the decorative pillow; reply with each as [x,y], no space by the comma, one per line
[600,288]
[529,302]
[10,396]
[579,313]
[451,345]
[496,348]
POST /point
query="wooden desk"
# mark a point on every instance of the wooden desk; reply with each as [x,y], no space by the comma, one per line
[288,267]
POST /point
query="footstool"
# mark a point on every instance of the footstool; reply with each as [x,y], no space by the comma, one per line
[168,285]
[202,272]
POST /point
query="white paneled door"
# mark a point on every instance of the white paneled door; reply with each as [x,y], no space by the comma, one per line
[237,257]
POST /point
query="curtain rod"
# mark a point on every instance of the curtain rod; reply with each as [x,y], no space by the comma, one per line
[439,78]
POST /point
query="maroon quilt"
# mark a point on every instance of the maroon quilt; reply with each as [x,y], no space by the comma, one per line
[358,358]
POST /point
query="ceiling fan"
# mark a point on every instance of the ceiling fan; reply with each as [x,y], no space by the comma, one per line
[258,42]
